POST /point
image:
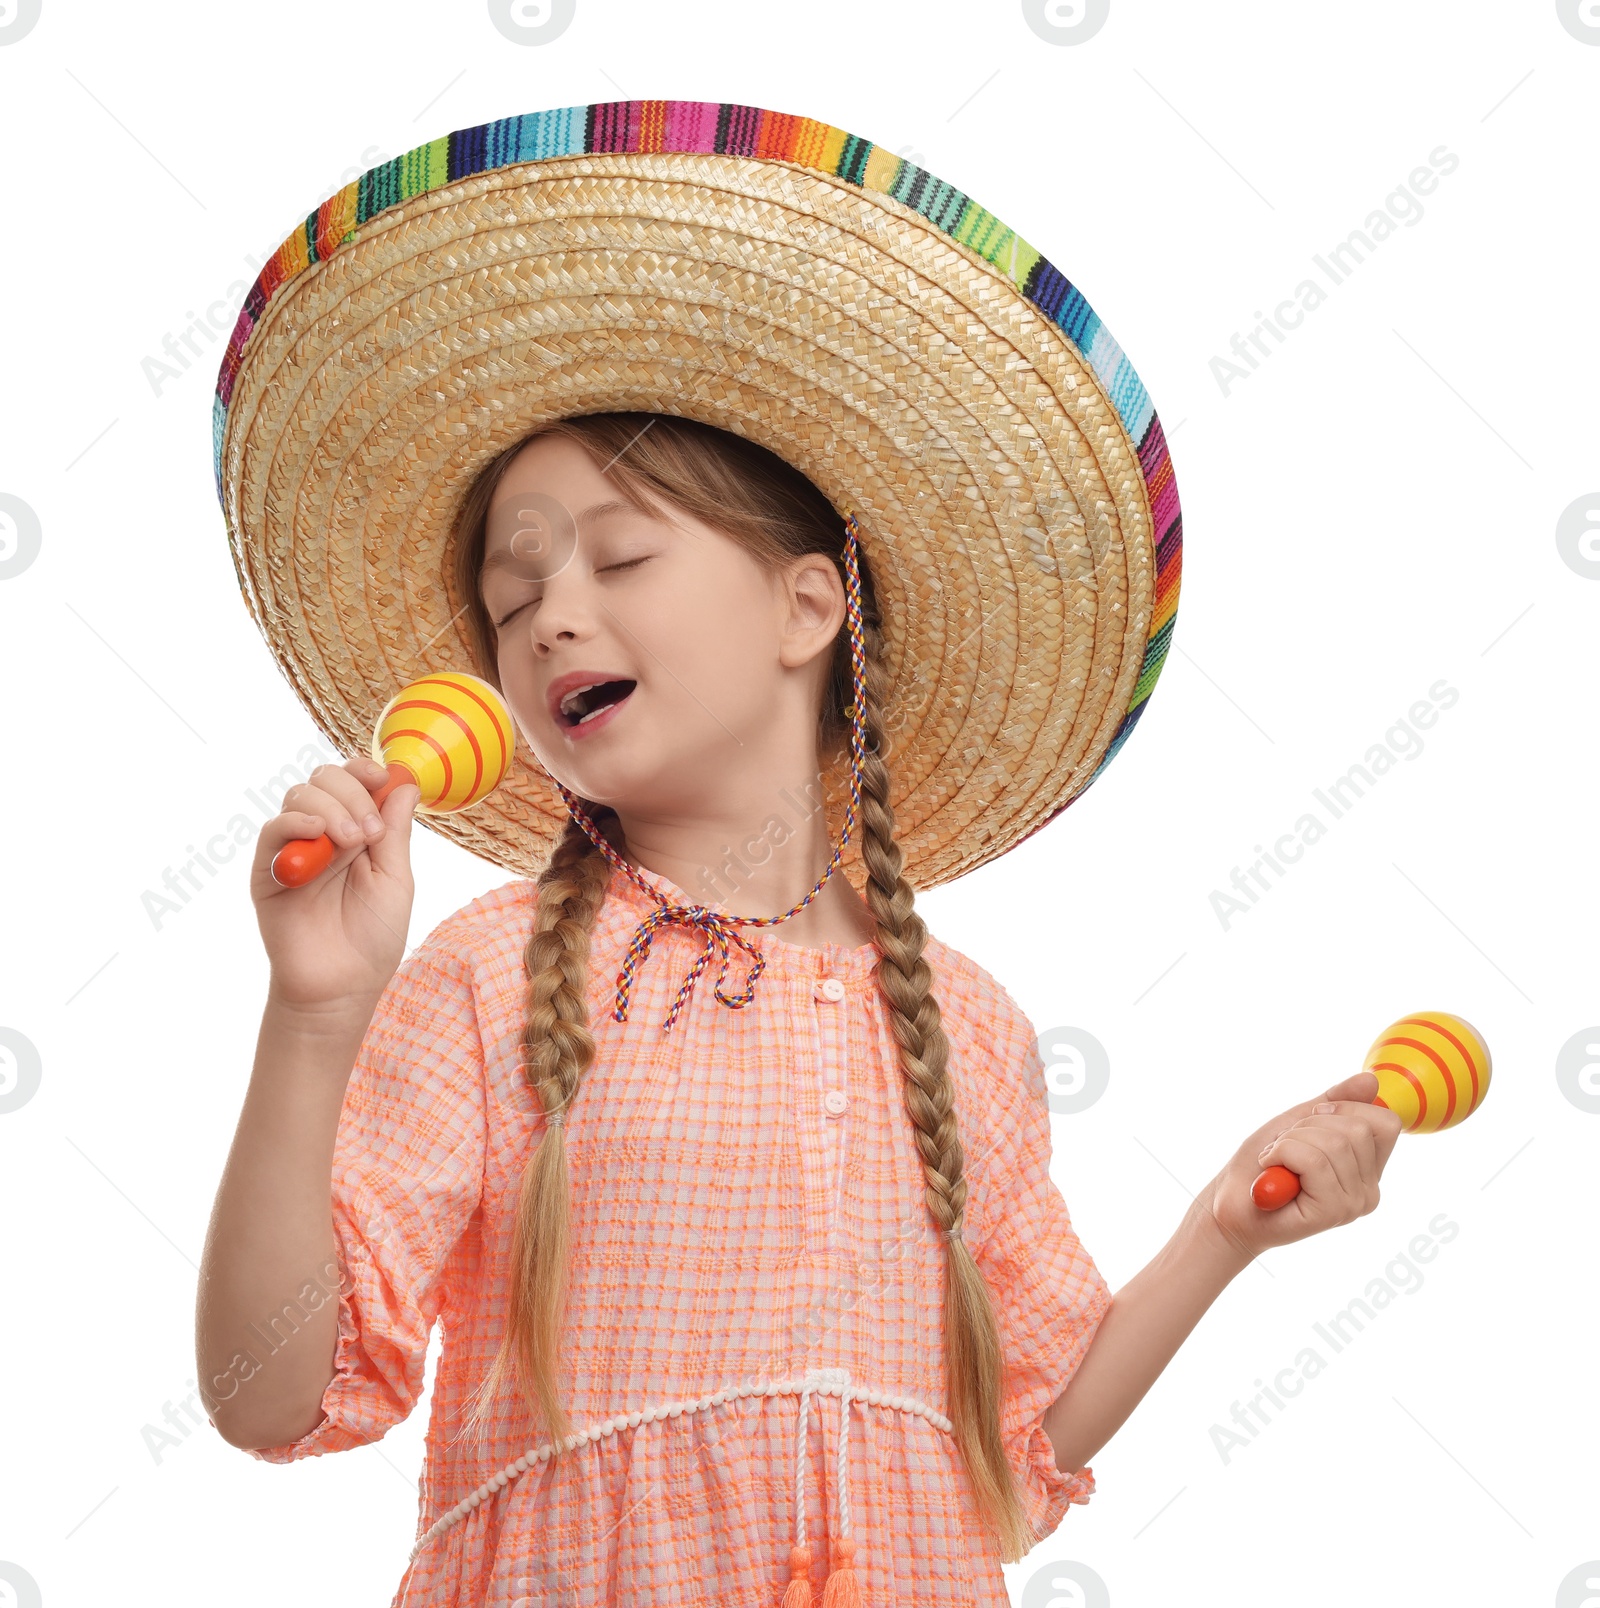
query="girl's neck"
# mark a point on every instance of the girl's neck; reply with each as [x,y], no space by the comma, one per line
[755,865]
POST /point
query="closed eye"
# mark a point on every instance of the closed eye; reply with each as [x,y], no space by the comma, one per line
[627,564]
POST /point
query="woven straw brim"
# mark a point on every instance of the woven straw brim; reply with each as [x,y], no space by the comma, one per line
[1001,502]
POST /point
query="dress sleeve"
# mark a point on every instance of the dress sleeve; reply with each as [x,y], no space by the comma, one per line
[1049,1296]
[407,1176]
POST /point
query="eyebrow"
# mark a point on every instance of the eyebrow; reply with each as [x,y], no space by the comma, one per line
[600,510]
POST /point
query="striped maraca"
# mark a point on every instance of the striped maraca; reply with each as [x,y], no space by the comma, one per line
[1433,1072]
[450,733]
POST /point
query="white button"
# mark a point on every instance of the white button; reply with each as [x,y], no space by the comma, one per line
[834,1102]
[830,988]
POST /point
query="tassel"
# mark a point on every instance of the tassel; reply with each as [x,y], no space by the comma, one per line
[842,1589]
[797,1594]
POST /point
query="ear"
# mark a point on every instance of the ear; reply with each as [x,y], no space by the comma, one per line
[813,609]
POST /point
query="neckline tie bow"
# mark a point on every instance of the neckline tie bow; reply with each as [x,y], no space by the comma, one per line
[719,931]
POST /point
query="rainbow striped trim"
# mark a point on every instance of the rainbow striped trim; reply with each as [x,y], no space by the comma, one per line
[723,127]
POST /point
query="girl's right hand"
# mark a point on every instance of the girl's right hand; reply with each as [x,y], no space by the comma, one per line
[338,940]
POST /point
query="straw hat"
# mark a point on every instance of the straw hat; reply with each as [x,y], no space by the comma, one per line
[874,326]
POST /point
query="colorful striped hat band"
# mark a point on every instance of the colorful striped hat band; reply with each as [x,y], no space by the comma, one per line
[777,278]
[719,928]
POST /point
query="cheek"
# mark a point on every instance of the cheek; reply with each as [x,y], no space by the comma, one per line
[716,648]
[716,613]
[514,662]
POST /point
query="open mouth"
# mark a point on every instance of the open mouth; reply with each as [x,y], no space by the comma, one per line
[577,708]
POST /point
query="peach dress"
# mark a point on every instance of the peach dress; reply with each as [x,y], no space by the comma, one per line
[754,1297]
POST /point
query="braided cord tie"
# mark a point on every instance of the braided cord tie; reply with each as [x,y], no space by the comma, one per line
[800,1468]
[842,1589]
[719,928]
[844,1459]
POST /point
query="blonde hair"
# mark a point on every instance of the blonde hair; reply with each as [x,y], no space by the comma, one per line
[778,514]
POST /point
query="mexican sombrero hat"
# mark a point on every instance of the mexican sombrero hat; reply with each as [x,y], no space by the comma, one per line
[874,326]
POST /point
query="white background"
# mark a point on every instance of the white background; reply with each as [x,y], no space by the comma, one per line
[1371,511]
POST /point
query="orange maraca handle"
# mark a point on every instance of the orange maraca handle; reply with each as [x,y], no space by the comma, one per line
[302,859]
[1433,1071]
[1275,1187]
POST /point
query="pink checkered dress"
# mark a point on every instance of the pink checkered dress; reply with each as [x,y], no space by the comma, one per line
[753,1307]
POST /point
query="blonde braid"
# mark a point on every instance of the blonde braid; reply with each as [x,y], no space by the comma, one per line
[557,1048]
[973,1359]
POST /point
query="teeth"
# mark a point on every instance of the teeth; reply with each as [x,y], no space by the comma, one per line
[577,692]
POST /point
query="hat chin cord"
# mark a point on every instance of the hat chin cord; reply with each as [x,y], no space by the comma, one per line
[719,928]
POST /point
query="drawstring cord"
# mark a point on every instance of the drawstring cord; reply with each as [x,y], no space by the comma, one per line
[798,1593]
[842,1589]
[719,928]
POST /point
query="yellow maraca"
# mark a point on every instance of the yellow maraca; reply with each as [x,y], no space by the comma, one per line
[450,733]
[1433,1072]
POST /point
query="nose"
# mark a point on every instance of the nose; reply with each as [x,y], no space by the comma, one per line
[565,614]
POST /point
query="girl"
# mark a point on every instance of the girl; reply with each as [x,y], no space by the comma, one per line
[728,1182]
[837,1155]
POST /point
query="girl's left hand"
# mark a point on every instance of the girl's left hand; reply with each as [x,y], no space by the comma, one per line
[1338,1143]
